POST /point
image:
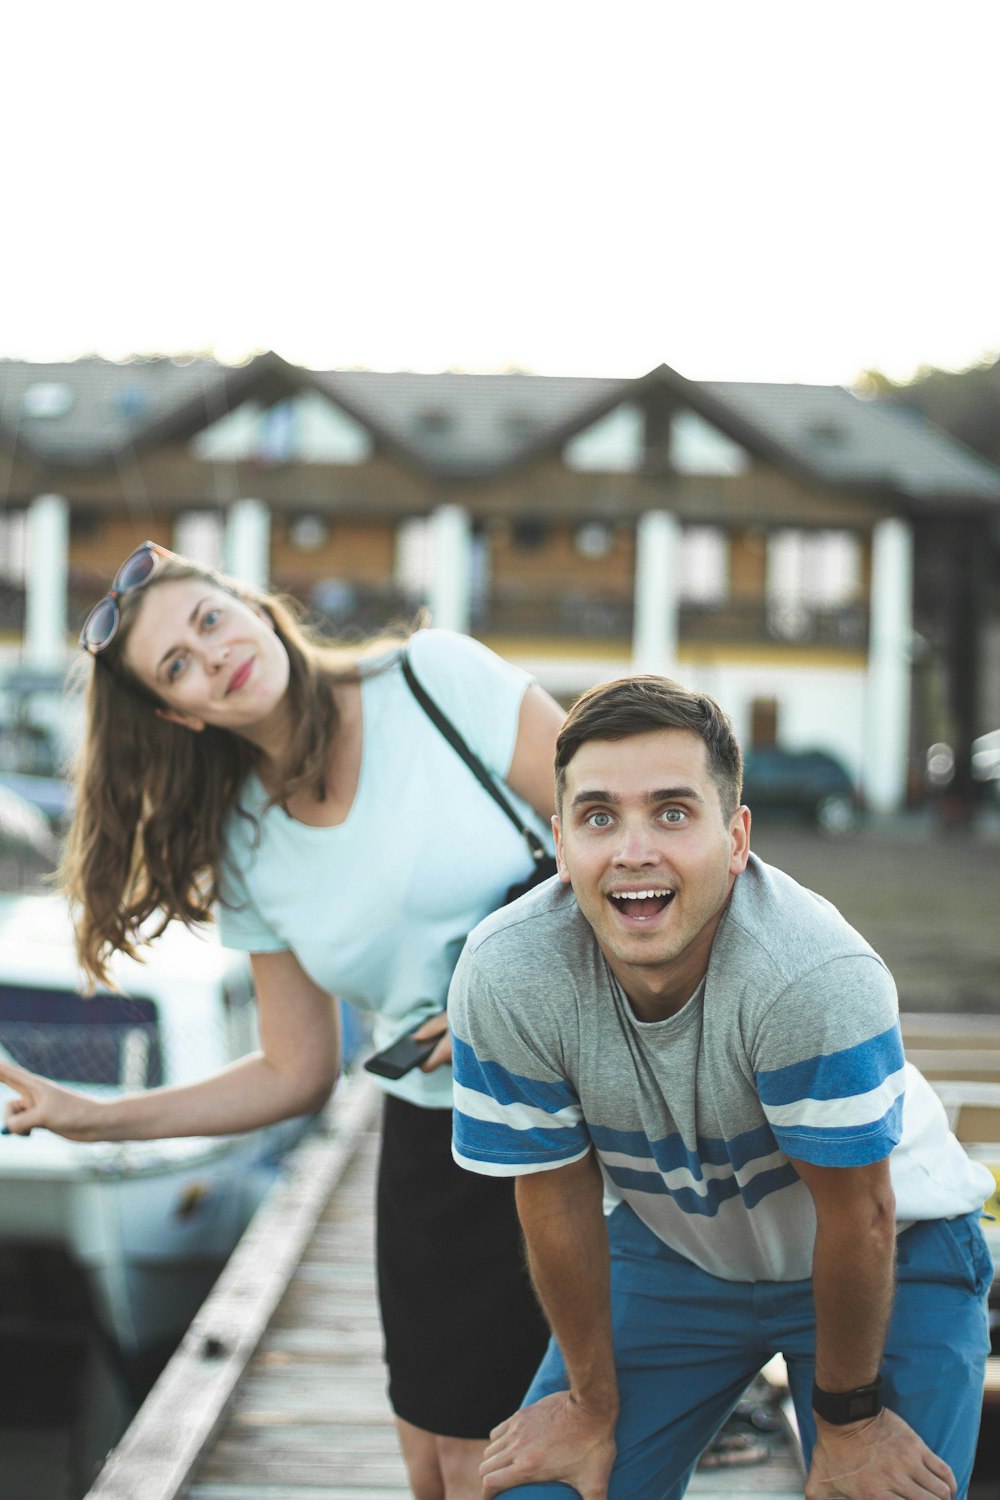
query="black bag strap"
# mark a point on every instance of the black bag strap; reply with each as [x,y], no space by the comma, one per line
[475,765]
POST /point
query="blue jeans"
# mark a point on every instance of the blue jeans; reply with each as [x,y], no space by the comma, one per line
[687,1344]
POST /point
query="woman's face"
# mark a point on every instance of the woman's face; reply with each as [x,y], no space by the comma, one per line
[210,657]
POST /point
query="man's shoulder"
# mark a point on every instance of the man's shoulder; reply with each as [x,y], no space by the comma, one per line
[788,926]
[546,919]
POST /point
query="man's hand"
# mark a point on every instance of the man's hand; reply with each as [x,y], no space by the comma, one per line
[876,1459]
[555,1439]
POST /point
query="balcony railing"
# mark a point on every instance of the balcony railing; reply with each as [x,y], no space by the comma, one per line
[355,610]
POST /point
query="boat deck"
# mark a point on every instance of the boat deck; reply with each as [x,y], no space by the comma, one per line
[277,1391]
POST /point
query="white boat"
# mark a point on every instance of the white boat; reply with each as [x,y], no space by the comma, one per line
[149,1222]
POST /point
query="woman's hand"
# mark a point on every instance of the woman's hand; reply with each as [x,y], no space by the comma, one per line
[40,1104]
[436,1026]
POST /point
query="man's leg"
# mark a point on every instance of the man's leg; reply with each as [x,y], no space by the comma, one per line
[686,1345]
[936,1346]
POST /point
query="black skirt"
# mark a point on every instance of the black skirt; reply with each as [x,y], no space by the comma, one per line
[463,1331]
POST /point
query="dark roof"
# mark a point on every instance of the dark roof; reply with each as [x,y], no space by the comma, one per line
[846,439]
[467,424]
[112,404]
[452,425]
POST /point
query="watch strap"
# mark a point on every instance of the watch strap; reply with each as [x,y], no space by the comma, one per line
[841,1407]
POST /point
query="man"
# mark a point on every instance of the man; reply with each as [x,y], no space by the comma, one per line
[678,1023]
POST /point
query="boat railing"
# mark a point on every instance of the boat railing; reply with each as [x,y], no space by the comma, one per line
[107,1053]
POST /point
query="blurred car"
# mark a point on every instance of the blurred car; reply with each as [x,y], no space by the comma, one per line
[986,761]
[810,784]
[939,765]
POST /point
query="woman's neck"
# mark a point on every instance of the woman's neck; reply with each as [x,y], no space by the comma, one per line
[343,766]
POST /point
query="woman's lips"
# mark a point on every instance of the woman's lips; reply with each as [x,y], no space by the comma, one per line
[240,676]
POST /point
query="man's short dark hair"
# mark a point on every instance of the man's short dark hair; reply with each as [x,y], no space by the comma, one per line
[636,705]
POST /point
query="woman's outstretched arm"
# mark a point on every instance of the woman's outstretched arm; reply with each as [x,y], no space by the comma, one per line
[292,1074]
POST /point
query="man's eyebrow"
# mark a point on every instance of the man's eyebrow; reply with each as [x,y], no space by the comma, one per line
[660,794]
[190,621]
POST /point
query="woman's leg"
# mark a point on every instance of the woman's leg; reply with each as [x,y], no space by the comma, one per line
[463,1331]
[441,1468]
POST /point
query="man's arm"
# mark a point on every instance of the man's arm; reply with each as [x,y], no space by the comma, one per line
[852,1291]
[568,1436]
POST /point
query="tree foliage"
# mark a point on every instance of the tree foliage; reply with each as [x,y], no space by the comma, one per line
[963,403]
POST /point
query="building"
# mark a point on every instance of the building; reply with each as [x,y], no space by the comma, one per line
[825,565]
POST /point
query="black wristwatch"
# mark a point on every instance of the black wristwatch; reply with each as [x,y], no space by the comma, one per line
[841,1407]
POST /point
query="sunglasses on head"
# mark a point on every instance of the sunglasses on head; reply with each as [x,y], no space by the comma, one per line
[101,625]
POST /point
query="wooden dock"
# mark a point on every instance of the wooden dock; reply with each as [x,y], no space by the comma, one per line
[277,1391]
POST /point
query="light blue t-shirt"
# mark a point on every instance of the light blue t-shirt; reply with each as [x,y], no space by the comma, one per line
[376,908]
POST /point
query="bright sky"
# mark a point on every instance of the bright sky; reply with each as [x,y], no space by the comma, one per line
[744,189]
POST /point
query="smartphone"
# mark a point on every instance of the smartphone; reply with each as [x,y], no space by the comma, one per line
[402,1055]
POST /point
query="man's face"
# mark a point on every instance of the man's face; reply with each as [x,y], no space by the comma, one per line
[642,839]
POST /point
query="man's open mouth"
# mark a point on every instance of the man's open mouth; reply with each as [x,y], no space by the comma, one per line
[641,905]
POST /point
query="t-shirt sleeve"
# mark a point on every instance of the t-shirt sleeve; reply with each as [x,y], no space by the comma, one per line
[241,924]
[828,1062]
[479,691]
[514,1112]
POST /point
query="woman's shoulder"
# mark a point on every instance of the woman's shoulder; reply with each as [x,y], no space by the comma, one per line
[448,654]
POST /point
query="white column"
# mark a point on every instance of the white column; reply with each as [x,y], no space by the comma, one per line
[247,546]
[657,594]
[45,603]
[451,568]
[887,688]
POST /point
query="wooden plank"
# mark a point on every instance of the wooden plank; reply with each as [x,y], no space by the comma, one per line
[184,1409]
[311,1413]
[936,1030]
[974,1063]
[979,1124]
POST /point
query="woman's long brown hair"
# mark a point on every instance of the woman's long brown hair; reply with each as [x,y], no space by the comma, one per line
[152,799]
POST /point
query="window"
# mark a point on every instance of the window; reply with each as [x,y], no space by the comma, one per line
[199,535]
[613,445]
[696,447]
[108,1039]
[306,429]
[593,539]
[48,399]
[308,533]
[13,546]
[704,565]
[435,422]
[415,556]
[809,572]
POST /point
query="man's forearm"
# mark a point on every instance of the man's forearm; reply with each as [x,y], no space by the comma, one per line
[853,1278]
[567,1242]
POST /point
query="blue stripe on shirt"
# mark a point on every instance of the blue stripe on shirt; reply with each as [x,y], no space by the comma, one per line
[493,1141]
[836,1075]
[671,1153]
[845,1145]
[499,1083]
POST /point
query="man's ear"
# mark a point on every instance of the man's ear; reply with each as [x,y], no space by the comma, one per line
[739,832]
[560,855]
[186,721]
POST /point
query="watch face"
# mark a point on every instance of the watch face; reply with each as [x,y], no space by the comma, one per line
[841,1407]
[863,1404]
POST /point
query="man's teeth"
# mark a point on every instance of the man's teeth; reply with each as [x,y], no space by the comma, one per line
[639,895]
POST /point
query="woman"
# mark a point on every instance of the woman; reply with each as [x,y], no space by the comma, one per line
[232,761]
